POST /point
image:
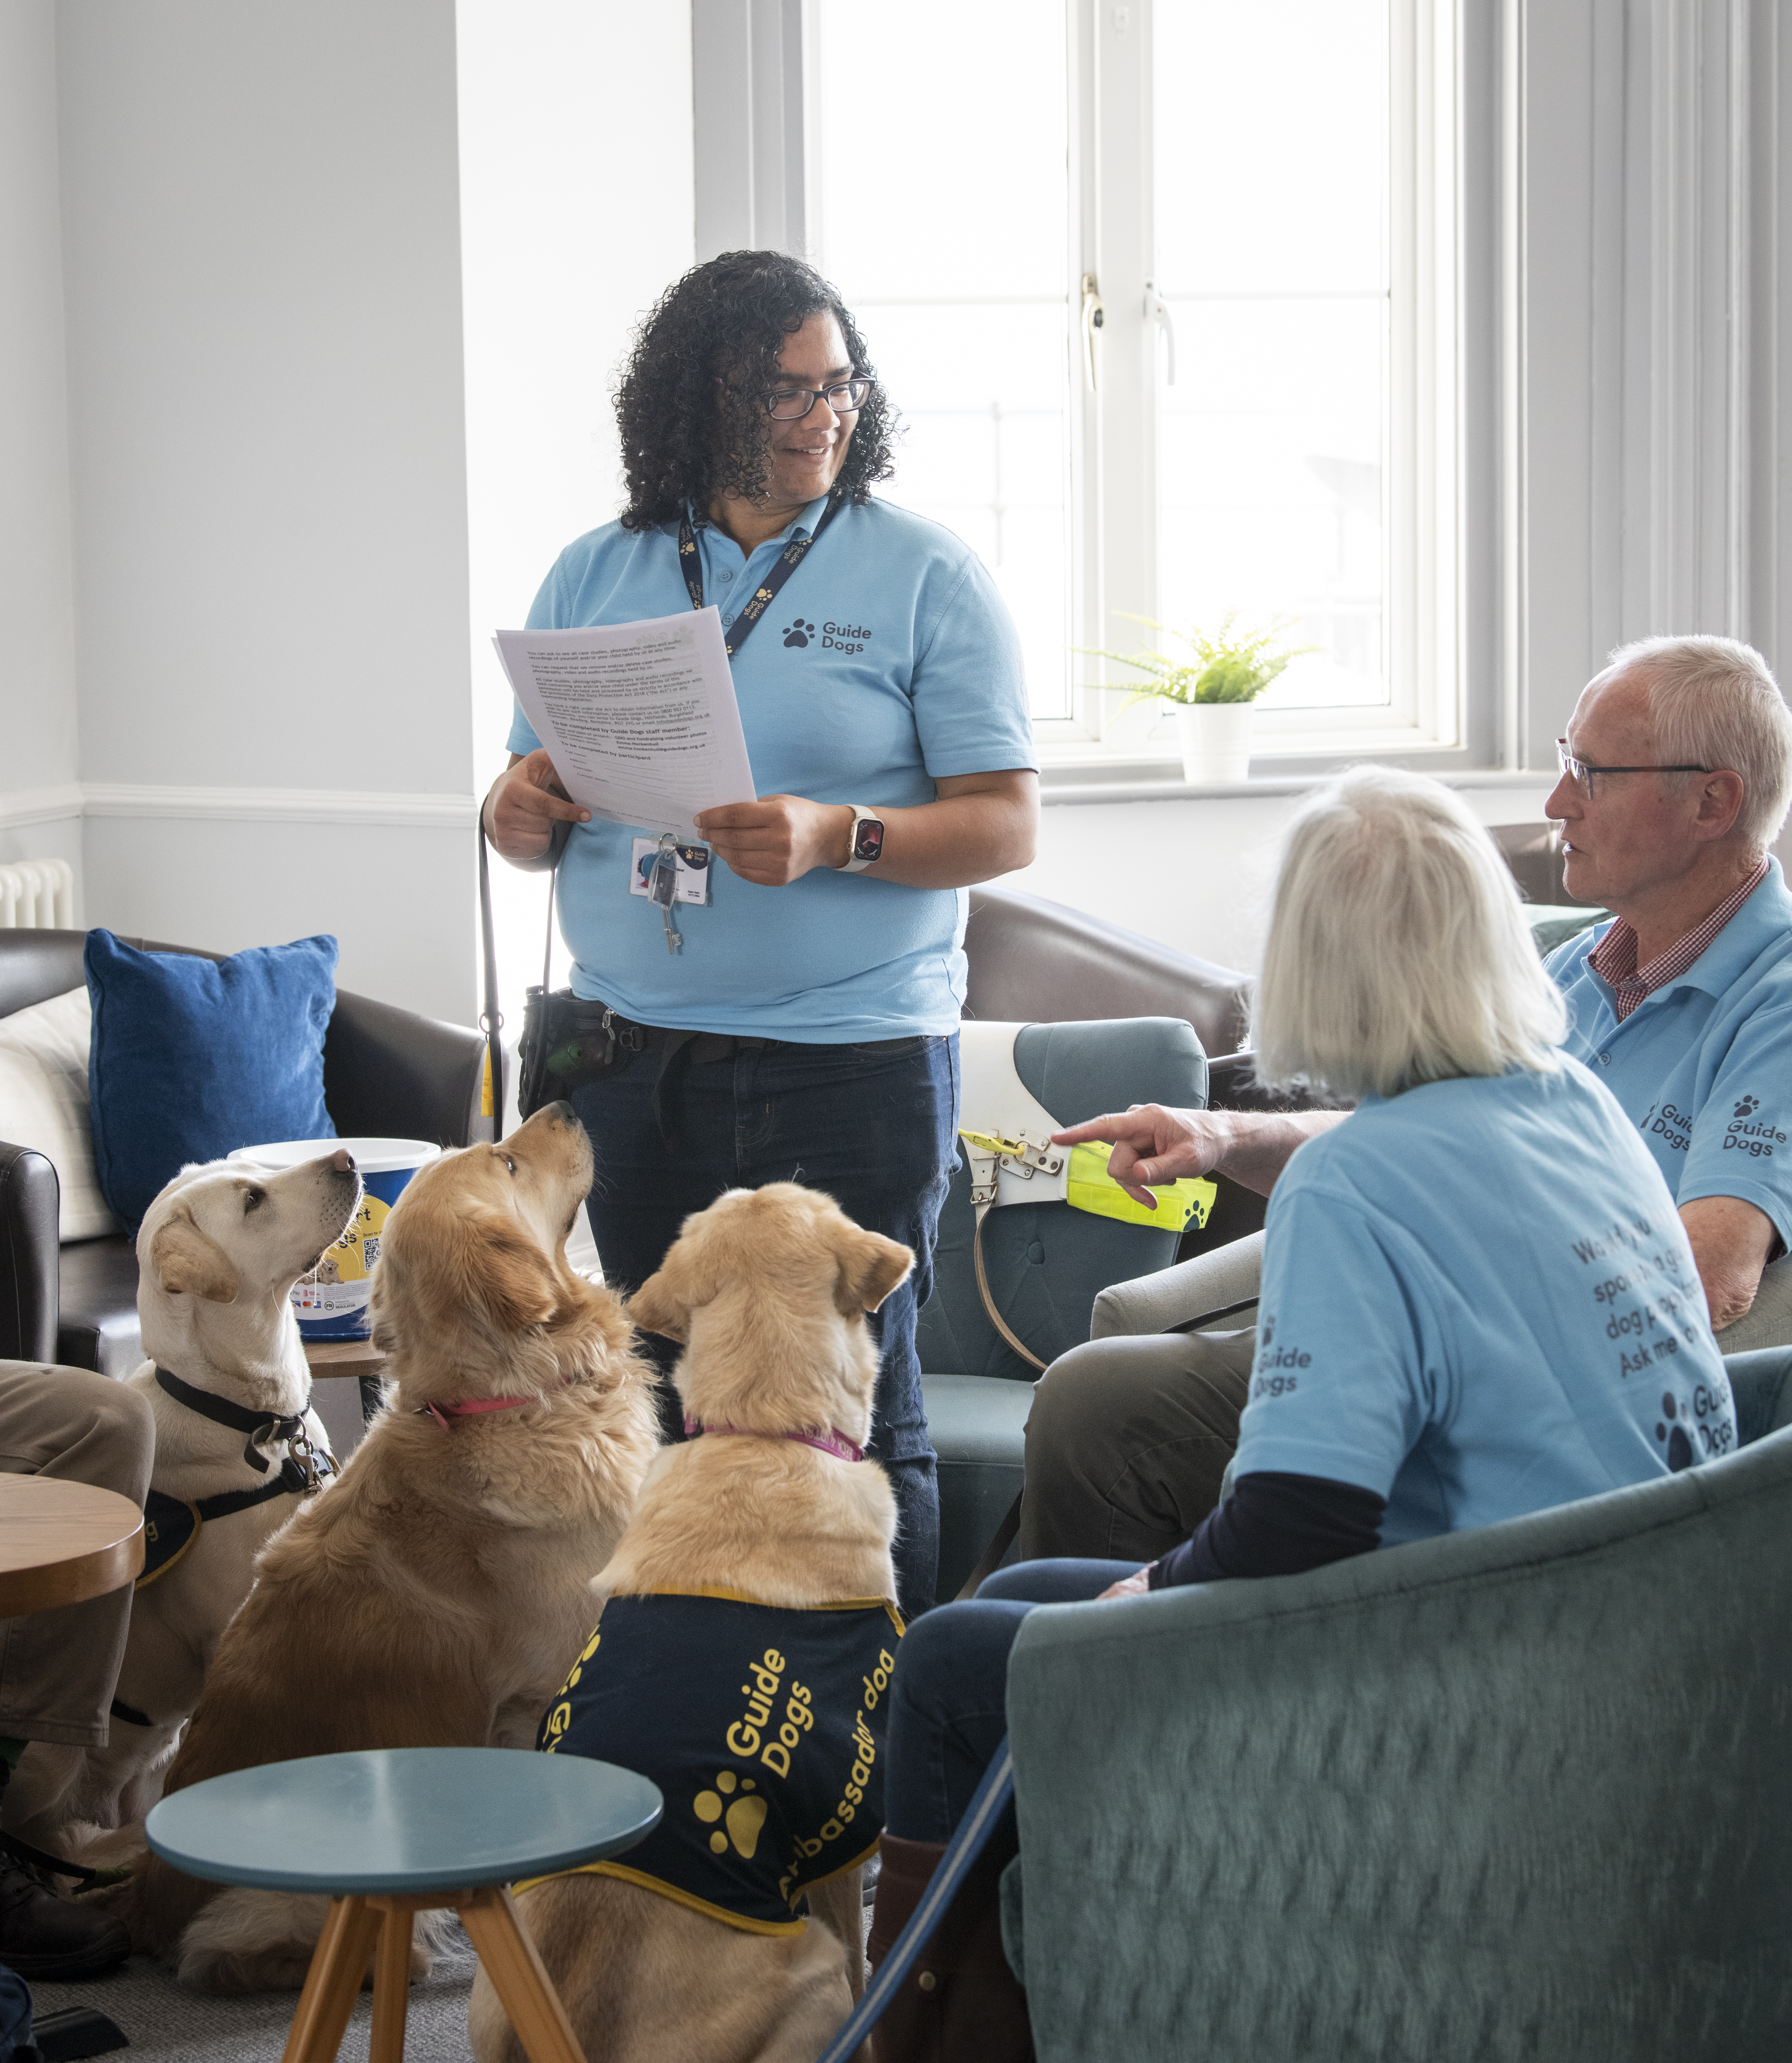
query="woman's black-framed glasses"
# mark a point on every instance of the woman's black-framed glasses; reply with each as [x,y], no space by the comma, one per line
[1581,773]
[790,404]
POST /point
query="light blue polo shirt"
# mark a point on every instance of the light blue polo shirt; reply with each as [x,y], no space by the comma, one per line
[1479,1301]
[1704,1067]
[888,661]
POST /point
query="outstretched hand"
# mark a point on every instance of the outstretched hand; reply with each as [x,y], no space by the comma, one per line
[1152,1144]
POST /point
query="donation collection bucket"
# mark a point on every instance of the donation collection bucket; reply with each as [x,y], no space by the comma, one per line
[332,1302]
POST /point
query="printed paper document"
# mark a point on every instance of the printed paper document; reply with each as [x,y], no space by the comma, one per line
[640,719]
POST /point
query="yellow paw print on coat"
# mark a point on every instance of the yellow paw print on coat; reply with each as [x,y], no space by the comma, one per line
[743,1819]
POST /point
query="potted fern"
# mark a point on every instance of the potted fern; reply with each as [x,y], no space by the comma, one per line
[1212,690]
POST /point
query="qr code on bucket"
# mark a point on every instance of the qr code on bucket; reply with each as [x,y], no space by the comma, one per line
[370,1250]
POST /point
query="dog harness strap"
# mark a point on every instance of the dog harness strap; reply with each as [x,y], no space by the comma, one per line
[172,1524]
[828,1441]
[264,1428]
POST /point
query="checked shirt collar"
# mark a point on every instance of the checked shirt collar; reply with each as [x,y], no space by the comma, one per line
[1615,956]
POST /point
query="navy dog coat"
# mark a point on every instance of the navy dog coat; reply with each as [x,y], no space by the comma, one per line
[763,1727]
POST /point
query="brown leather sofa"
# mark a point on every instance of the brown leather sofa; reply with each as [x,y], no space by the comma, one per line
[386,1072]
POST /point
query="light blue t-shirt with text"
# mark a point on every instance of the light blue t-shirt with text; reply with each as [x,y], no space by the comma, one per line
[1703,1067]
[1479,1302]
[888,661]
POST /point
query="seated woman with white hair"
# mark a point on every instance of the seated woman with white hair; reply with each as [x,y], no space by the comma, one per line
[1478,1301]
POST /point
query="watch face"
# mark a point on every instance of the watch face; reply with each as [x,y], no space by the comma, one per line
[867,838]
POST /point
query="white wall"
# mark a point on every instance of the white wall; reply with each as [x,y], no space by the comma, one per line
[576,214]
[261,264]
[1197,875]
[37,654]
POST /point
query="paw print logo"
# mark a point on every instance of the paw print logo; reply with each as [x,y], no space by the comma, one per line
[743,1819]
[1748,1106]
[799,634]
[1679,1447]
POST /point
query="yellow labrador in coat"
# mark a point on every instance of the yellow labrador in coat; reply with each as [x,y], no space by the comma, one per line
[432,1598]
[218,1251]
[769,1289]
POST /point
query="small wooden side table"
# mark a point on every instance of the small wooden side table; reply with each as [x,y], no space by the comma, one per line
[62,1543]
[389,1833]
[360,1358]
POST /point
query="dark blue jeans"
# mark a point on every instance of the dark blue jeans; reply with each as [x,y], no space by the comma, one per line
[874,1126]
[949,1697]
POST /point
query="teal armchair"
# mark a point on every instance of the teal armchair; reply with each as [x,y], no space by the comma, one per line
[1522,1792]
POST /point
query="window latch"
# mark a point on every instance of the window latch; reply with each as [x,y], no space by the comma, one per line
[1157,310]
[1094,315]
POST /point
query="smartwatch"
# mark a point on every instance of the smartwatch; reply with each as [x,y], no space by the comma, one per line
[867,842]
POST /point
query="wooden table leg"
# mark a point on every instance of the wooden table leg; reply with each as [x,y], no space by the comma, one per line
[338,1965]
[392,1987]
[518,1977]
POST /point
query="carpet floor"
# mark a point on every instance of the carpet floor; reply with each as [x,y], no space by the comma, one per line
[167,2024]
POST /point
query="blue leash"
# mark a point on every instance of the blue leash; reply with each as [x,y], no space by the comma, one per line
[965,1845]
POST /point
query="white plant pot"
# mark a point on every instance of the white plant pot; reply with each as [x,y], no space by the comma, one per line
[1215,740]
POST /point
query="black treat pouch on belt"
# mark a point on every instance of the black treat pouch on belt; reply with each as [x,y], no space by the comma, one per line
[566,1042]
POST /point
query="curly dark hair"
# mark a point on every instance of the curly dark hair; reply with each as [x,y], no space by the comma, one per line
[684,438]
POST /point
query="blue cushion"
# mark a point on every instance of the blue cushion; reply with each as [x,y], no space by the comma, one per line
[192,1058]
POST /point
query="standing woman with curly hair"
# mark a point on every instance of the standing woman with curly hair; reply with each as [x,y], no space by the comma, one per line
[808,1030]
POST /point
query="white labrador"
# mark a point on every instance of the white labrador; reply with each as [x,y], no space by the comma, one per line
[219,1250]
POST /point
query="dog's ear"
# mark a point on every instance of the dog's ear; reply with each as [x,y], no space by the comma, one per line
[870,1266]
[657,1307]
[188,1262]
[514,1278]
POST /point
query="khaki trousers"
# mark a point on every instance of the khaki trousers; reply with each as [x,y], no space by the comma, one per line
[58,1669]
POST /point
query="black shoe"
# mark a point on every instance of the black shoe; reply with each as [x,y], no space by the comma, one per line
[43,1936]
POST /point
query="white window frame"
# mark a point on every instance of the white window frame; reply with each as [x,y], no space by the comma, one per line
[1116,482]
[750,60]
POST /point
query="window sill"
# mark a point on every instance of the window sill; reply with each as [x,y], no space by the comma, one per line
[1064,780]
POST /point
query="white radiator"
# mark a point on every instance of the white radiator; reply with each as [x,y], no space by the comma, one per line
[37,896]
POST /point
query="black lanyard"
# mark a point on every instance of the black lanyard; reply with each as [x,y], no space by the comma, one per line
[766,592]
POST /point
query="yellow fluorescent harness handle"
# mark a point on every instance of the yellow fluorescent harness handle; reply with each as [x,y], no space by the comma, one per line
[1092,1189]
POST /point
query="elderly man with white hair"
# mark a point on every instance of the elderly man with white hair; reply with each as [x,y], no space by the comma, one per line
[1676,775]
[1478,1302]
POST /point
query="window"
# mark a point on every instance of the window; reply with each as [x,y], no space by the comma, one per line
[1167,295]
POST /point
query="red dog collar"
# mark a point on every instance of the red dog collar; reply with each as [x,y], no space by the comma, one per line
[442,1412]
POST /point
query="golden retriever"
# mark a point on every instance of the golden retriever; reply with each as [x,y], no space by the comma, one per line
[768,1288]
[431,1599]
[220,1247]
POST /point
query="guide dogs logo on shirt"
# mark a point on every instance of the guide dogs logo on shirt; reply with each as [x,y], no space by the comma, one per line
[845,637]
[763,1727]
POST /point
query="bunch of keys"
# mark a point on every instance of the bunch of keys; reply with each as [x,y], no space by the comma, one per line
[662,885]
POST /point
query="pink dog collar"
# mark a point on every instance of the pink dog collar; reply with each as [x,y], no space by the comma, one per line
[442,1412]
[829,1442]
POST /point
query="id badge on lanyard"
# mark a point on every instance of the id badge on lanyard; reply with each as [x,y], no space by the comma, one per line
[665,871]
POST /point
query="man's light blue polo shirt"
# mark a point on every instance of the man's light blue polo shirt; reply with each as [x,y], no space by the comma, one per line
[1479,1301]
[1704,1067]
[888,662]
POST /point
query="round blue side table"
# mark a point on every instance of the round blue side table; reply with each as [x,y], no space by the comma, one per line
[392,1832]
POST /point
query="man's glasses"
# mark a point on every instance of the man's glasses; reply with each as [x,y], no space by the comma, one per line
[1581,773]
